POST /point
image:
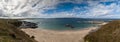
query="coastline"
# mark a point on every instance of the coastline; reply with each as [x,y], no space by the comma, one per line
[42,35]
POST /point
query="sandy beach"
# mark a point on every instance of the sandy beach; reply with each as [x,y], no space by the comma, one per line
[42,35]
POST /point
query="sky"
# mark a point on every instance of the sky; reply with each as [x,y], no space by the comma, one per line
[60,8]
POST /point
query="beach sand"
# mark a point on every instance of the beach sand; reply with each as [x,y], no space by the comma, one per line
[42,35]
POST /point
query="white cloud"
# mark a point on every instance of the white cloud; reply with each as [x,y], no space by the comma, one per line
[101,10]
[25,7]
[35,8]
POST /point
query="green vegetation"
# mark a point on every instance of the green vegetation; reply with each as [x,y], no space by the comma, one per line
[10,33]
[107,33]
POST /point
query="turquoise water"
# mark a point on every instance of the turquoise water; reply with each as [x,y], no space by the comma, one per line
[59,23]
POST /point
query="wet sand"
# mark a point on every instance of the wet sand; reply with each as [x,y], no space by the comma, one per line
[42,35]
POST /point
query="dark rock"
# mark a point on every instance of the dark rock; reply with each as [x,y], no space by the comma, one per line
[33,37]
[70,26]
[15,23]
[13,35]
[28,25]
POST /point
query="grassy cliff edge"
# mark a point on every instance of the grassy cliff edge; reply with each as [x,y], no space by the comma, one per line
[10,32]
[107,33]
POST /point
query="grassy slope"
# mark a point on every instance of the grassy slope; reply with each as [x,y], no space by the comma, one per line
[6,29]
[107,33]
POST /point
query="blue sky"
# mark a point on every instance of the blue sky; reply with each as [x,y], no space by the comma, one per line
[67,7]
[62,8]
[86,9]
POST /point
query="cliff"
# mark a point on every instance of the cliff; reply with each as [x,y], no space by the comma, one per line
[107,33]
[10,32]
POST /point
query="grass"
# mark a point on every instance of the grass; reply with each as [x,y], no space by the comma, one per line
[10,33]
[107,33]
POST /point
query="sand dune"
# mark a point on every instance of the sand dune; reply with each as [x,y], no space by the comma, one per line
[42,35]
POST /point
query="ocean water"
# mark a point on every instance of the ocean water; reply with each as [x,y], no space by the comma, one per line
[60,23]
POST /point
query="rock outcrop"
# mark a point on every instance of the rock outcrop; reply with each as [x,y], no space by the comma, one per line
[25,24]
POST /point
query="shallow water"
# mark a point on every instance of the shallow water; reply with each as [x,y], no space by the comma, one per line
[59,23]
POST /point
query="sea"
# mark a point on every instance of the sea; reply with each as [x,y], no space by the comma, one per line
[60,23]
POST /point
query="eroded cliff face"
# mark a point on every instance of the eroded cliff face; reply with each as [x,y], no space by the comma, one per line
[107,33]
[10,33]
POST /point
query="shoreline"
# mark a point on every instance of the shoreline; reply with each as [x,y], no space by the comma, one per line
[43,35]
